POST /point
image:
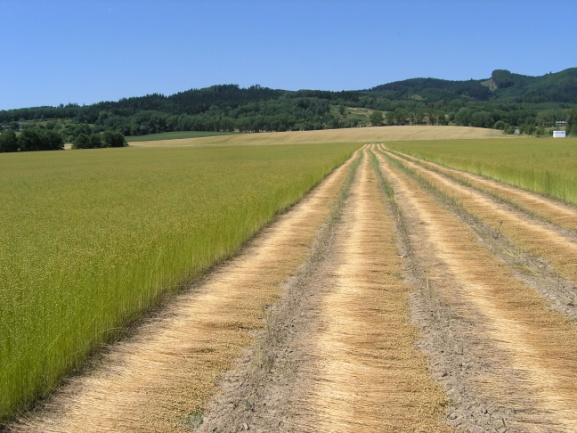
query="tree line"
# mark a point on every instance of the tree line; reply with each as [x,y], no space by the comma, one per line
[35,139]
[506,101]
[30,140]
[98,141]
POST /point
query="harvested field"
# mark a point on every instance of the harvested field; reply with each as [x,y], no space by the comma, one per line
[543,165]
[522,341]
[365,373]
[551,244]
[555,212]
[351,365]
[343,135]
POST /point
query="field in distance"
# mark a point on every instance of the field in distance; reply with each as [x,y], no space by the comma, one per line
[92,238]
[174,135]
[343,135]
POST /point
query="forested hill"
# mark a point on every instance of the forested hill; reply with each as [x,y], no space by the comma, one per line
[503,86]
[505,100]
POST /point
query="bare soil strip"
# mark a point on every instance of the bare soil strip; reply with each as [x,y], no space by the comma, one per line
[550,210]
[538,240]
[347,359]
[160,379]
[524,363]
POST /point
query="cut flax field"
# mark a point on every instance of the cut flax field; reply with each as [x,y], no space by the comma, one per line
[537,344]
[537,239]
[366,374]
[343,135]
[160,379]
[553,211]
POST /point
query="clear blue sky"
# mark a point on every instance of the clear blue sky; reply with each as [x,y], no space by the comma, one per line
[85,51]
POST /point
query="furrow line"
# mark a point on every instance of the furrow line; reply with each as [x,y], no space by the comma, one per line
[342,345]
[365,373]
[562,215]
[519,358]
[543,258]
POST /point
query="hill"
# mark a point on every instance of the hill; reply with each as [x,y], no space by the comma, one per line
[502,86]
[504,101]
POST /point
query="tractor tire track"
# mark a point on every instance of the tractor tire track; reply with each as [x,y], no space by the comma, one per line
[160,379]
[522,364]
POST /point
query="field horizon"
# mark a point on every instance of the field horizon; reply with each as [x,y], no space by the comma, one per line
[360,135]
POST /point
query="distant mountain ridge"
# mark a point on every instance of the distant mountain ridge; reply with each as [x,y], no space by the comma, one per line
[502,85]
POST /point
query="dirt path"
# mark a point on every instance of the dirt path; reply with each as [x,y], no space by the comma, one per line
[537,239]
[525,368]
[550,210]
[350,363]
[159,380]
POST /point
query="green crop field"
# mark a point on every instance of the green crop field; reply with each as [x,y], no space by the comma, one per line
[175,135]
[92,238]
[546,166]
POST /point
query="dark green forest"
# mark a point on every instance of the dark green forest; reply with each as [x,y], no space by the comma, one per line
[505,101]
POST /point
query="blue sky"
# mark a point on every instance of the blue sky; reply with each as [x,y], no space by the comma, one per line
[85,51]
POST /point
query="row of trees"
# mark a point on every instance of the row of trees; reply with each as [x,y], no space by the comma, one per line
[99,140]
[32,139]
[282,114]
[307,114]
[311,113]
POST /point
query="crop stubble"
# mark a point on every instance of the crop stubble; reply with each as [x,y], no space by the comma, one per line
[527,353]
[404,287]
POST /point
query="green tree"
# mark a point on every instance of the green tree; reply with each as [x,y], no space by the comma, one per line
[376,118]
[51,140]
[539,131]
[399,116]
[95,141]
[113,139]
[502,78]
[572,123]
[8,142]
[29,140]
[482,119]
[40,139]
[81,141]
